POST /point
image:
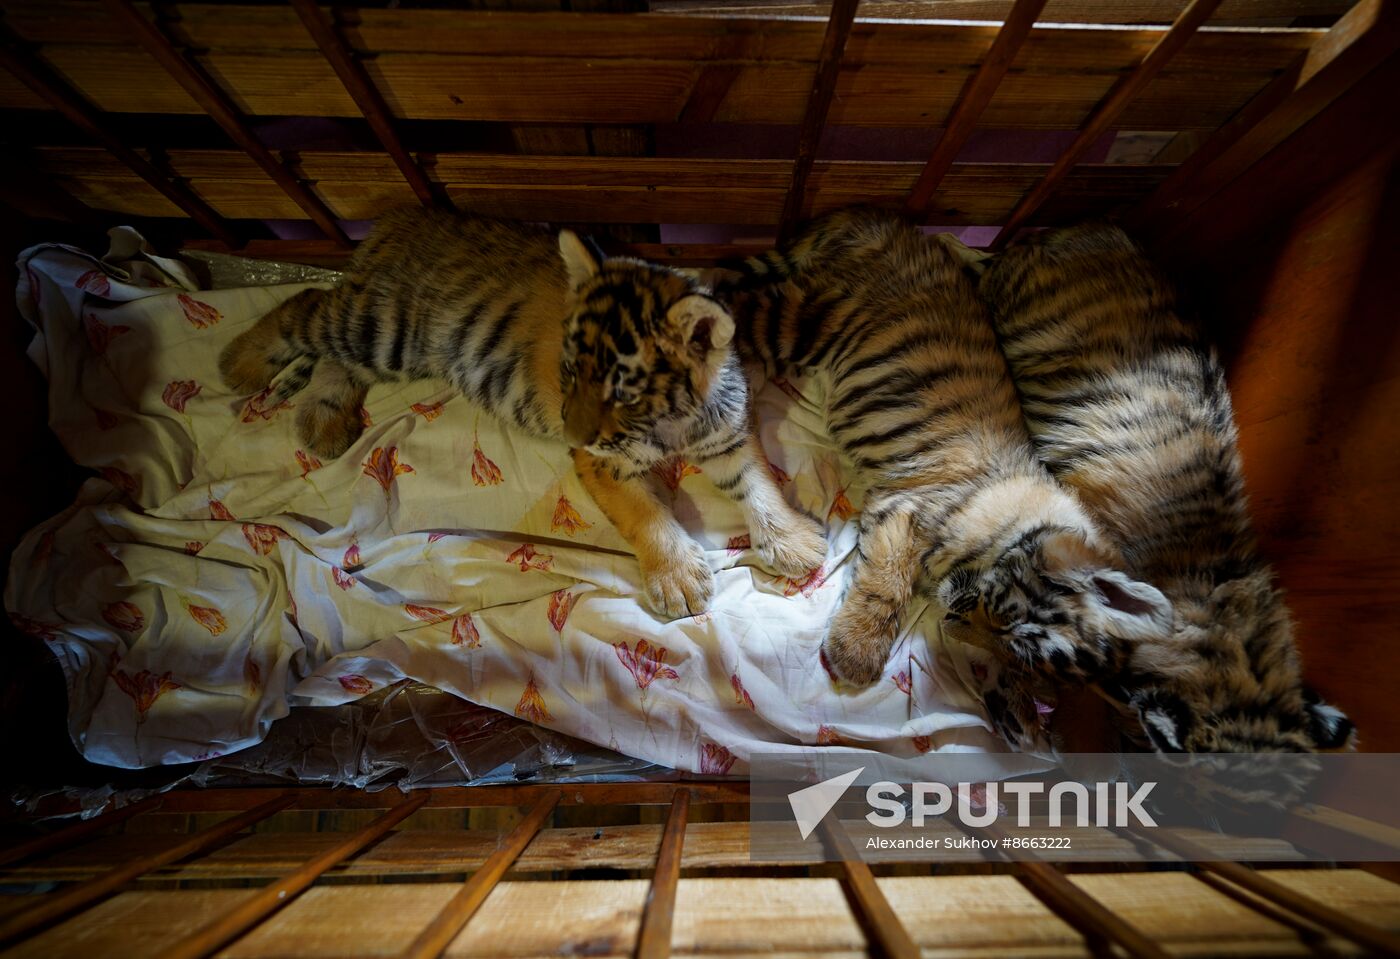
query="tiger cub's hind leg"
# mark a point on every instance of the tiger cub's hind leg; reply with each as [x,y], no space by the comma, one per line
[329,420]
[258,354]
[865,628]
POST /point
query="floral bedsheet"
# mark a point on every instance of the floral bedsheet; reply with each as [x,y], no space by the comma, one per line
[213,572]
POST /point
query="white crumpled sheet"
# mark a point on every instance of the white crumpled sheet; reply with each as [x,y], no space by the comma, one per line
[216,574]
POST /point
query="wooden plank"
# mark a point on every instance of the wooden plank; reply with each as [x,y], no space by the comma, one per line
[884,926]
[73,834]
[279,894]
[973,100]
[1382,941]
[216,103]
[980,916]
[60,904]
[1232,12]
[438,934]
[838,31]
[599,189]
[1106,112]
[654,939]
[366,96]
[38,78]
[1353,47]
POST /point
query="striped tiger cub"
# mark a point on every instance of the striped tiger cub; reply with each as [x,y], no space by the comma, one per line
[920,399]
[1130,411]
[628,362]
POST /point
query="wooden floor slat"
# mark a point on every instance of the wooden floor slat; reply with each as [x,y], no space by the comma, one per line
[982,916]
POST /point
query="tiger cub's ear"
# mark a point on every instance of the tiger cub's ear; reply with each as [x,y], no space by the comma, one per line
[579,260]
[702,322]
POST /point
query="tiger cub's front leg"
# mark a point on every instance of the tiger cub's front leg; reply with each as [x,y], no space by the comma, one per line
[866,626]
[787,542]
[675,574]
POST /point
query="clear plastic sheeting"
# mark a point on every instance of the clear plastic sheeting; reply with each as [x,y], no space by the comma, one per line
[410,736]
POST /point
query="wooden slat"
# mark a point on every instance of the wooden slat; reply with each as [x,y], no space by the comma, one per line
[600,189]
[276,896]
[38,78]
[880,919]
[1106,112]
[75,833]
[1382,941]
[654,939]
[838,31]
[363,92]
[217,104]
[1253,13]
[60,904]
[578,68]
[972,102]
[1353,47]
[439,933]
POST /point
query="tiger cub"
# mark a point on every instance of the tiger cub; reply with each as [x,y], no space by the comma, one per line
[1130,411]
[628,362]
[920,399]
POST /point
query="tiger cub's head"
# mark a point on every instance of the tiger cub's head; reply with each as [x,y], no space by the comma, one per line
[643,343]
[1052,600]
[1227,680]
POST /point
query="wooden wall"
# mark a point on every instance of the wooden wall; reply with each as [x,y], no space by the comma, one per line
[1297,268]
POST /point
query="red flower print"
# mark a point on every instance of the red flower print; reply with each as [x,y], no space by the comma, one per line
[262,538]
[355,683]
[144,689]
[979,671]
[193,547]
[434,537]
[106,420]
[292,601]
[779,474]
[484,472]
[342,579]
[365,420]
[923,743]
[178,393]
[841,507]
[906,685]
[977,797]
[741,695]
[122,480]
[561,603]
[308,463]
[126,617]
[257,407]
[218,510]
[428,614]
[566,518]
[252,672]
[352,557]
[782,384]
[429,413]
[673,472]
[383,466]
[826,665]
[44,550]
[532,705]
[737,544]
[464,632]
[201,315]
[528,559]
[208,617]
[94,282]
[646,663]
[808,584]
[715,760]
[100,335]
[828,736]
[32,627]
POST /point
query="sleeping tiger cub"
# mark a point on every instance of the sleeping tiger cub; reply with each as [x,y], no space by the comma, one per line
[629,362]
[920,398]
[1132,413]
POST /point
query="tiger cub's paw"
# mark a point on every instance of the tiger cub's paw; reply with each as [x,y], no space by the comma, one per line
[679,582]
[861,637]
[245,366]
[793,549]
[328,429]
